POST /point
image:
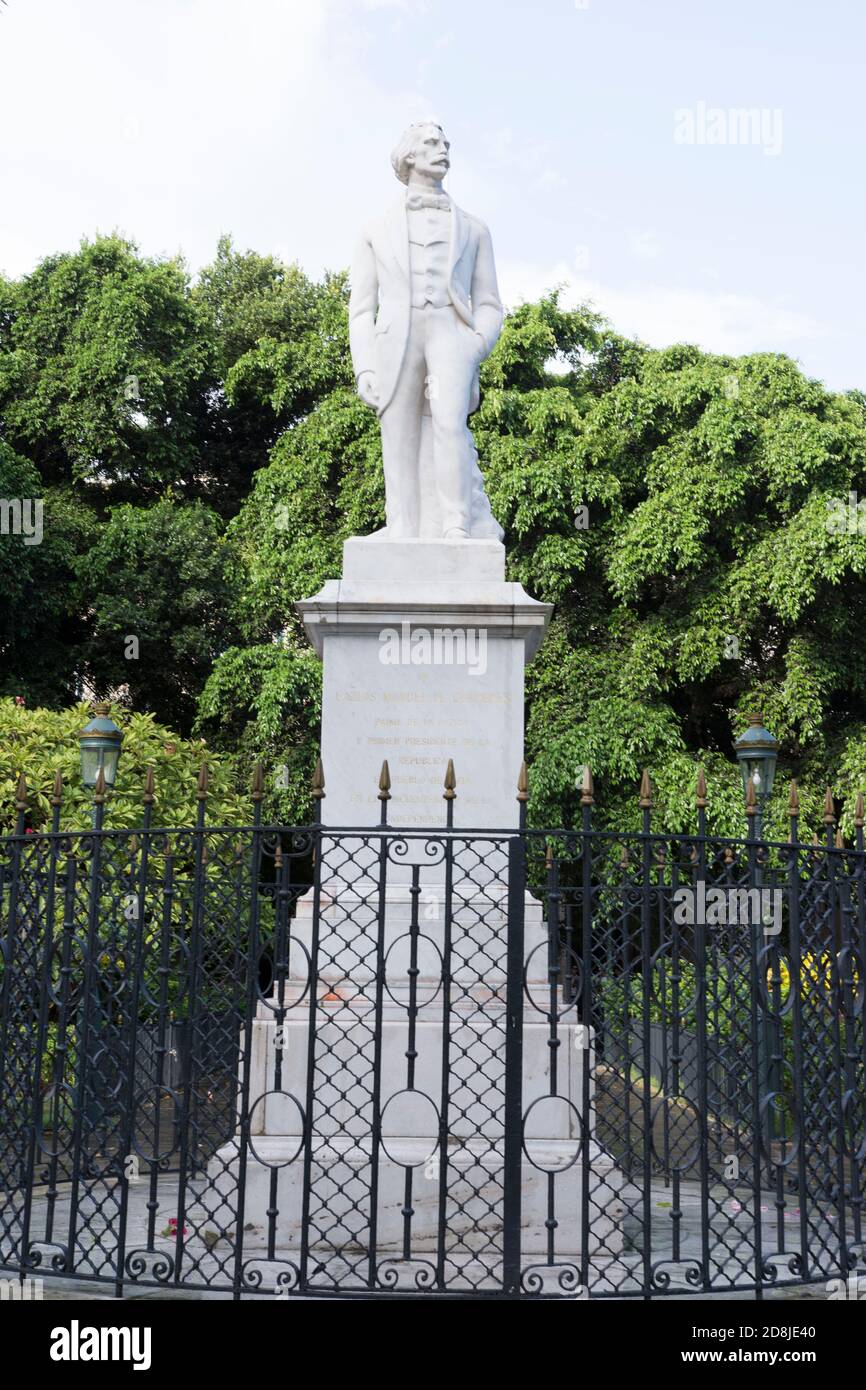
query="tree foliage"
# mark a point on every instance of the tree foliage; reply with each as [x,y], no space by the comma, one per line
[673,505]
[160,601]
[40,743]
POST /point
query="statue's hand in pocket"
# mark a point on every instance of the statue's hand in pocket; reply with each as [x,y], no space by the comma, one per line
[367,390]
[479,345]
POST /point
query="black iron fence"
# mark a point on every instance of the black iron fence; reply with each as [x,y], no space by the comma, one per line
[362,1061]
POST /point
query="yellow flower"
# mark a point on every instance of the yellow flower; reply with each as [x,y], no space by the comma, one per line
[812,967]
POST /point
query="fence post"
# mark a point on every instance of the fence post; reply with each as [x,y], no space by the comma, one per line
[645,802]
[84,1106]
[134,980]
[586,1005]
[794,977]
[318,798]
[252,984]
[376,1094]
[701,1024]
[447,946]
[513,1109]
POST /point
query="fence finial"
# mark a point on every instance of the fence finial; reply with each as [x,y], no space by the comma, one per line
[385,782]
[149,795]
[57,794]
[829,813]
[201,789]
[646,791]
[257,784]
[21,794]
[587,789]
[858,809]
[840,843]
[318,781]
[794,800]
[450,781]
[523,783]
[701,789]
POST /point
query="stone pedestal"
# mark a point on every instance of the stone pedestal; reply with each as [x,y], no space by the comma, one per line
[424,646]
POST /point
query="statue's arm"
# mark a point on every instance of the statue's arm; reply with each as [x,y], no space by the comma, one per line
[487,310]
[363,301]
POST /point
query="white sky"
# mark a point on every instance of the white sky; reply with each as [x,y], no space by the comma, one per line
[175,120]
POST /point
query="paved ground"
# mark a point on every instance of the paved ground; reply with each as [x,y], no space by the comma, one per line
[207,1259]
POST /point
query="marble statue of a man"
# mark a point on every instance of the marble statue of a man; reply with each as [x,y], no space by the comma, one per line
[424,312]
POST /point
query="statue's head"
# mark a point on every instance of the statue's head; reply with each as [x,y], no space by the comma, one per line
[421,147]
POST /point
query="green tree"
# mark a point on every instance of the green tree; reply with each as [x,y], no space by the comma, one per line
[103,360]
[264,702]
[41,630]
[674,506]
[156,583]
[280,344]
[40,743]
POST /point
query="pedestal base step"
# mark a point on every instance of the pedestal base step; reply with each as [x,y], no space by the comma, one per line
[340,1204]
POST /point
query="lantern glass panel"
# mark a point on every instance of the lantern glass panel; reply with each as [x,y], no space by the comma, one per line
[89,764]
[110,759]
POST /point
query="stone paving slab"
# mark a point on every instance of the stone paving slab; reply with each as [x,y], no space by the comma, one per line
[616,1278]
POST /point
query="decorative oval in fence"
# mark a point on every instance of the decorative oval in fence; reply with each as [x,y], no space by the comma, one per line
[552,1134]
[675,1133]
[854,1122]
[537,987]
[398,964]
[674,983]
[622,1072]
[156,1125]
[780,1128]
[286,987]
[774,980]
[850,963]
[55,1125]
[66,981]
[281,1113]
[411,1116]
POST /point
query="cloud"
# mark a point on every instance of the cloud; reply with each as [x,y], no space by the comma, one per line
[645,246]
[550,178]
[716,320]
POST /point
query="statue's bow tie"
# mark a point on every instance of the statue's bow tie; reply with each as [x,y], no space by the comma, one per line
[416,201]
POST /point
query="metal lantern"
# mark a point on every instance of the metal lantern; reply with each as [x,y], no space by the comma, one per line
[100,742]
[757,751]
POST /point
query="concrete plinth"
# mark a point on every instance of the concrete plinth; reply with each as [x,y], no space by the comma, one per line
[424,645]
[395,1123]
